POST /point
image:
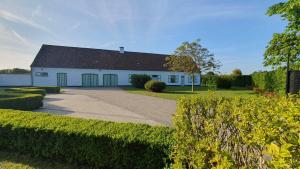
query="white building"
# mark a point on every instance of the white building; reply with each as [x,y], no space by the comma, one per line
[74,66]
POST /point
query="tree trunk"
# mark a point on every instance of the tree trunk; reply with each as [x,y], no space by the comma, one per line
[193,81]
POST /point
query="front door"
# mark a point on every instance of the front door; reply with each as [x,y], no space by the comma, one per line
[61,79]
[90,80]
[110,80]
[182,80]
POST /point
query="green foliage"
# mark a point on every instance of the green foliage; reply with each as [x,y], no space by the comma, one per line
[139,81]
[216,132]
[14,71]
[209,81]
[94,143]
[155,86]
[27,91]
[241,81]
[237,72]
[20,101]
[224,82]
[287,43]
[48,89]
[272,81]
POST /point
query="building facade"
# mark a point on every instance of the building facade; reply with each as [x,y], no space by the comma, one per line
[72,66]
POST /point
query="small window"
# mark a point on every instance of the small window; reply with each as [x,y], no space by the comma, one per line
[129,78]
[41,74]
[195,79]
[155,77]
[173,78]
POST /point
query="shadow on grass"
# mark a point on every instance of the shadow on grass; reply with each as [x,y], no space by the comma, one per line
[22,161]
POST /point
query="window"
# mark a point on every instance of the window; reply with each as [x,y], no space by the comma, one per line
[196,78]
[41,74]
[173,78]
[129,78]
[155,77]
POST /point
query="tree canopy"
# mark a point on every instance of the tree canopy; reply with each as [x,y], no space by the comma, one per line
[192,58]
[287,43]
[14,71]
[237,72]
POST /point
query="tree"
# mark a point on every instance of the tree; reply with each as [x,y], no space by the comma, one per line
[237,72]
[192,58]
[285,46]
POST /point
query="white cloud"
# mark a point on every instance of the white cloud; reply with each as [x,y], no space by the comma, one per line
[22,20]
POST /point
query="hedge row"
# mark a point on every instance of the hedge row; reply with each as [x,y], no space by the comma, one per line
[272,81]
[48,89]
[216,132]
[98,144]
[226,81]
[20,101]
[27,91]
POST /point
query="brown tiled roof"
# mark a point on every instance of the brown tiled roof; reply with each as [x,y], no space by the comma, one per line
[86,58]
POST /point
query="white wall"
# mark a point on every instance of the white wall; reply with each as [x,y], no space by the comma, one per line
[15,79]
[74,76]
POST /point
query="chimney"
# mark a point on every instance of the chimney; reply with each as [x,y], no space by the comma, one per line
[122,49]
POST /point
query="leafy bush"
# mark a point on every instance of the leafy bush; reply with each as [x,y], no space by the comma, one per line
[20,101]
[272,81]
[98,144]
[155,86]
[139,81]
[209,81]
[224,82]
[27,91]
[48,89]
[216,132]
[241,81]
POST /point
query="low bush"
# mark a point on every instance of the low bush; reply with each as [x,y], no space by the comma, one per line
[48,89]
[216,132]
[270,81]
[224,82]
[139,81]
[20,101]
[27,91]
[94,143]
[155,86]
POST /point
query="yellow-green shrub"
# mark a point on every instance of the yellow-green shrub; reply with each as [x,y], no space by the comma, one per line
[216,132]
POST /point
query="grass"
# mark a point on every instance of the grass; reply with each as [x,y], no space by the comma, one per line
[175,92]
[17,161]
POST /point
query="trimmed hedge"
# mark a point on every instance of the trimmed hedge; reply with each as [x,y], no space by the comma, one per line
[48,89]
[27,91]
[224,82]
[98,144]
[217,132]
[138,81]
[20,101]
[272,81]
[155,86]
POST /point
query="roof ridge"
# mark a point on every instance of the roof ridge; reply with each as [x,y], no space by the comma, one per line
[110,50]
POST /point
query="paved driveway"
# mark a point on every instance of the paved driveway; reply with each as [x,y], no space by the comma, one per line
[111,104]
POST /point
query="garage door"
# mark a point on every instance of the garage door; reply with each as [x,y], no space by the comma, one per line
[61,79]
[110,80]
[90,80]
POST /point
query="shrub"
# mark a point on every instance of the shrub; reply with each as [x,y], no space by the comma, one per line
[224,82]
[139,81]
[155,86]
[216,132]
[48,89]
[27,90]
[98,144]
[209,81]
[272,81]
[20,101]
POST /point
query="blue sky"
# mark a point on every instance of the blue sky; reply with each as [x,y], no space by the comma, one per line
[236,31]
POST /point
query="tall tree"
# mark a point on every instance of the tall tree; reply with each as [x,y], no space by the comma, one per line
[192,58]
[286,44]
[237,72]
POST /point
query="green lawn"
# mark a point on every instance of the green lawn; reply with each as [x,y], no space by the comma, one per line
[175,92]
[17,161]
